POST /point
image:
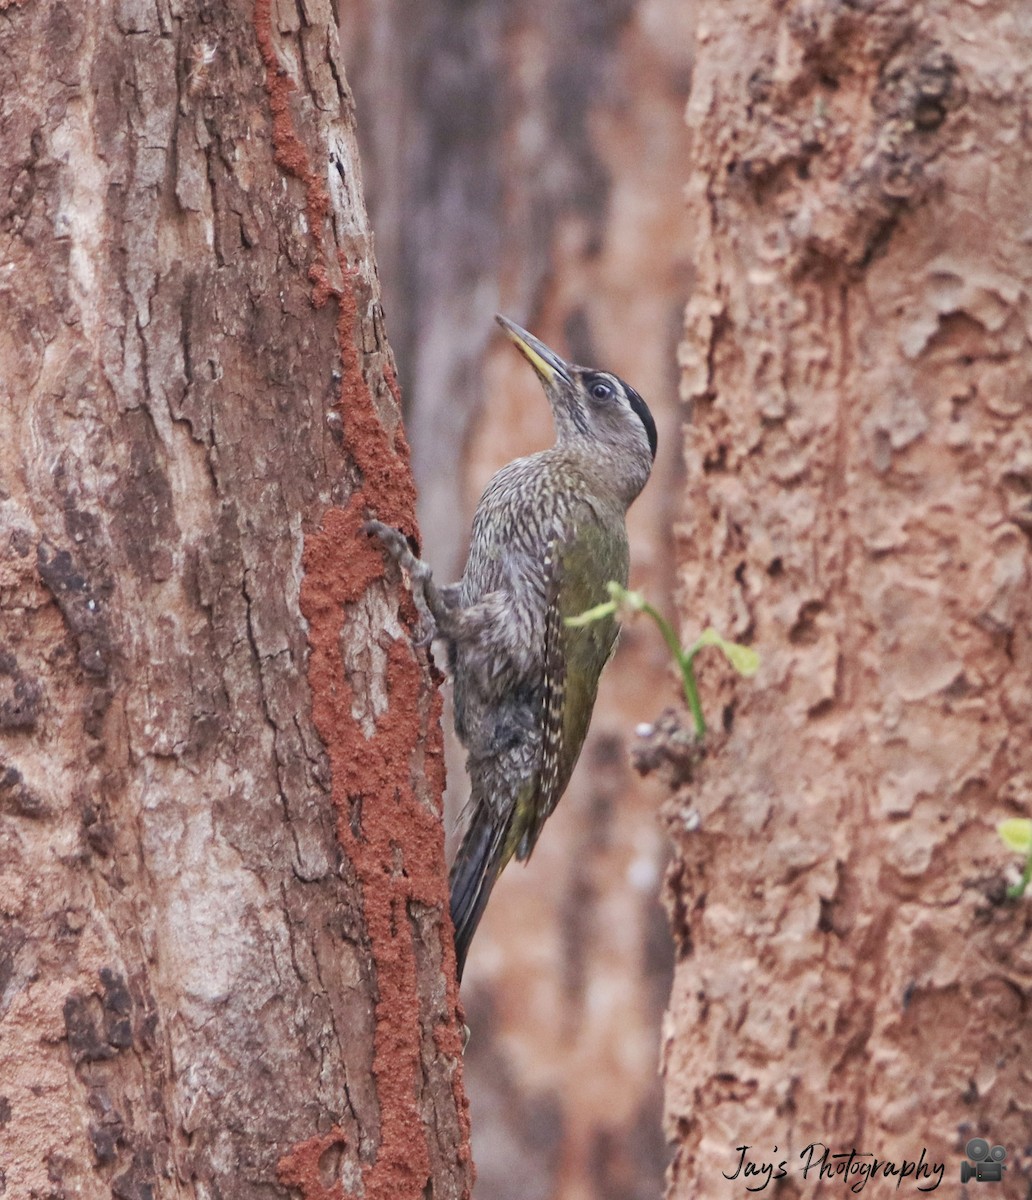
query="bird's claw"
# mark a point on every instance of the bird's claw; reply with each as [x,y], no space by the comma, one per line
[396,545]
[426,629]
[394,541]
[424,634]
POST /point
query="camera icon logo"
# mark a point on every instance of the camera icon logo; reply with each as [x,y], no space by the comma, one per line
[986,1164]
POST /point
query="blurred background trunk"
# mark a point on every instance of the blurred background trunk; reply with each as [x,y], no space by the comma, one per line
[851,497]
[222,877]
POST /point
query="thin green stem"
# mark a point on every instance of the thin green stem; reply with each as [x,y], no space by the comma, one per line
[691,692]
[684,661]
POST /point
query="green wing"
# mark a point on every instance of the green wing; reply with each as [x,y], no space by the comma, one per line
[576,574]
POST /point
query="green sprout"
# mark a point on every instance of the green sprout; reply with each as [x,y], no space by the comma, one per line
[744,659]
[1016,834]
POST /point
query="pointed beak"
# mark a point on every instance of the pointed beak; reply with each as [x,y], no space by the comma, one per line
[546,362]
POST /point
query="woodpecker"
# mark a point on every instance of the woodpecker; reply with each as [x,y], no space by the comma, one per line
[548,534]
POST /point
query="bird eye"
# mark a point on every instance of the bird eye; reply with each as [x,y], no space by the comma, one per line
[601,391]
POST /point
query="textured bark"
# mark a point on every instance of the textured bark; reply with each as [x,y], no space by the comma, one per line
[858,366]
[223,960]
[529,158]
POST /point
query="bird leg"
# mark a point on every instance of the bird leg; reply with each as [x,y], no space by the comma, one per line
[432,603]
[491,623]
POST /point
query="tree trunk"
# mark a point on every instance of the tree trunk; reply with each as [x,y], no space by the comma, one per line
[224,968]
[858,366]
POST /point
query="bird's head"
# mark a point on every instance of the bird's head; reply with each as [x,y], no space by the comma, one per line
[594,411]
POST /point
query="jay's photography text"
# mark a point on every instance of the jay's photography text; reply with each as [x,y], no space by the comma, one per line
[853,1168]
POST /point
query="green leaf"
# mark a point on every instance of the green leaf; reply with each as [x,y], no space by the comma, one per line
[597,613]
[744,659]
[1016,834]
[632,601]
[621,598]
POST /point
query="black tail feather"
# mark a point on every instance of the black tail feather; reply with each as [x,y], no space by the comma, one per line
[477,866]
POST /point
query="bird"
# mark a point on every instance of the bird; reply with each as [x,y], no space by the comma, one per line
[549,534]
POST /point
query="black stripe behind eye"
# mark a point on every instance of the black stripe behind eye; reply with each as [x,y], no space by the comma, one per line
[642,410]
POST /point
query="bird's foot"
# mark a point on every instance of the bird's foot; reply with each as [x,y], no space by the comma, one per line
[393,540]
[396,545]
[426,630]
